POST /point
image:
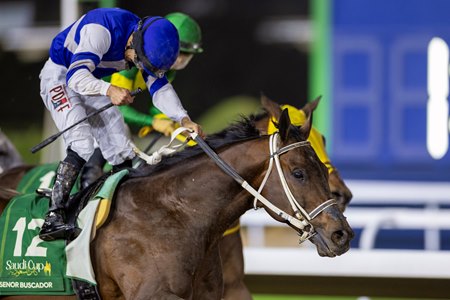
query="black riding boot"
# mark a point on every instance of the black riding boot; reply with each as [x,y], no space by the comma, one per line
[93,169]
[55,222]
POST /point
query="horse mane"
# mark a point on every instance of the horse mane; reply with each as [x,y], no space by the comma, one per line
[240,130]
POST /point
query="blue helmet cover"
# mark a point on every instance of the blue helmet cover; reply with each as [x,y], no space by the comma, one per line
[160,43]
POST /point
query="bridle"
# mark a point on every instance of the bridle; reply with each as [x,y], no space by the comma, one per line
[301,219]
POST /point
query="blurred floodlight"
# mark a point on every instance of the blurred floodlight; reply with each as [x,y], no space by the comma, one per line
[291,30]
[437,106]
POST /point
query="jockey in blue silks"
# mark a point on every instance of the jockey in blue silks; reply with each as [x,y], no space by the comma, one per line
[100,43]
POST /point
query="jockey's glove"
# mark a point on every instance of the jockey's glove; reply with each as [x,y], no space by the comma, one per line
[164,126]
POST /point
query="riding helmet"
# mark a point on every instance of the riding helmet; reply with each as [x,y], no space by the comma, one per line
[189,32]
[157,44]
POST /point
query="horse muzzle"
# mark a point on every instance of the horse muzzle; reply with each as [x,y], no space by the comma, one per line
[333,233]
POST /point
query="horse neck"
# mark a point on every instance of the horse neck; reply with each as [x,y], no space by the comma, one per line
[214,195]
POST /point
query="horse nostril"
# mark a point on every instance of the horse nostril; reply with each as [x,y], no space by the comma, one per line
[340,237]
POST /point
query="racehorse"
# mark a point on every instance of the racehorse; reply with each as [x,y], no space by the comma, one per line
[9,156]
[183,205]
[231,248]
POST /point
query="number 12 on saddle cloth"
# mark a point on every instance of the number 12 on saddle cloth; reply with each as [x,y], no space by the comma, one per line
[30,266]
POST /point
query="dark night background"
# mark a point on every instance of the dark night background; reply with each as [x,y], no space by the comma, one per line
[235,60]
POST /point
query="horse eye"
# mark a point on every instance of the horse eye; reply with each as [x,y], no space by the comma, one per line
[299,174]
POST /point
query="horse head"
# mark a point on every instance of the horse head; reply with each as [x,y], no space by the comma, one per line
[341,193]
[305,191]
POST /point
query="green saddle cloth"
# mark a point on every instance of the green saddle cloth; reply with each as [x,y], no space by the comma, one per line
[39,176]
[28,265]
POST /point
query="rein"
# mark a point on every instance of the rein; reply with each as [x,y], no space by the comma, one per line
[165,150]
[302,219]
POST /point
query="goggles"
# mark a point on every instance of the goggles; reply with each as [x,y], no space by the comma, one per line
[140,60]
[194,47]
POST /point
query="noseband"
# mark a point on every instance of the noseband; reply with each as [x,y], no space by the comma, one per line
[301,219]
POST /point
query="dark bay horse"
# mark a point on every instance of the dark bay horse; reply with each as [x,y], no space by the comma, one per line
[164,231]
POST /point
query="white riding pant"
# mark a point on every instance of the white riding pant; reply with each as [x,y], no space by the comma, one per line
[68,107]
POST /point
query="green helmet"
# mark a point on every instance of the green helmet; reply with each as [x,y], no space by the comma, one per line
[189,32]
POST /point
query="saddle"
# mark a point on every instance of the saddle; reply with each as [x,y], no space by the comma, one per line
[102,192]
[76,203]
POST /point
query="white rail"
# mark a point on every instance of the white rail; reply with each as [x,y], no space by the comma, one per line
[359,263]
[364,261]
[370,220]
[374,219]
[431,218]
[410,192]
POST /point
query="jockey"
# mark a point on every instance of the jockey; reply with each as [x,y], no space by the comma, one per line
[100,43]
[190,36]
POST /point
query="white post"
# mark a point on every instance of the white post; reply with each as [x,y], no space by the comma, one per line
[69,12]
[56,151]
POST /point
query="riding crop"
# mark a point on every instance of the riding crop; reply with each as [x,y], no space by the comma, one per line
[52,138]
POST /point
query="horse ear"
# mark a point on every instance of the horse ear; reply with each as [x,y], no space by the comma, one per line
[308,109]
[311,106]
[271,106]
[284,125]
